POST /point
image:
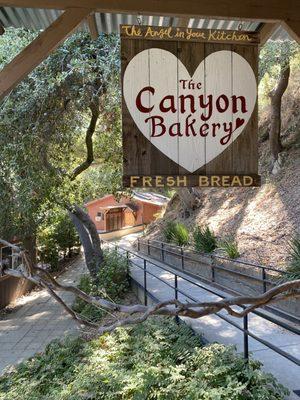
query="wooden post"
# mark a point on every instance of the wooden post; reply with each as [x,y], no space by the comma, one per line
[40,48]
[92,24]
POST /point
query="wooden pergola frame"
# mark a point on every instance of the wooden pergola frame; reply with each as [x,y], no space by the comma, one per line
[270,12]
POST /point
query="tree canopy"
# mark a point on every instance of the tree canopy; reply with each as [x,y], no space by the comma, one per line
[46,125]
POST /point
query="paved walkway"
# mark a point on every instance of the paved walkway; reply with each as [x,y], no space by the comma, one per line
[39,320]
[217,330]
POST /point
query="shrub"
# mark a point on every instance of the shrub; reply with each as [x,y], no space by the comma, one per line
[66,235]
[230,247]
[293,269]
[204,239]
[169,231]
[154,360]
[47,247]
[113,284]
[56,238]
[176,233]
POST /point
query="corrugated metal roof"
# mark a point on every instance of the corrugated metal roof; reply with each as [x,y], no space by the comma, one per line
[281,34]
[150,197]
[39,19]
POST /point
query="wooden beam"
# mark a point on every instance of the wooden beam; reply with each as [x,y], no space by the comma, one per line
[266,31]
[254,10]
[92,24]
[40,48]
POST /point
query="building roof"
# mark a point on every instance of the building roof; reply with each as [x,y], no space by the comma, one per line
[89,203]
[107,208]
[149,197]
[38,19]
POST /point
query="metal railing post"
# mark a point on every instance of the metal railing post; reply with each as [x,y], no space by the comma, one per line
[264,280]
[138,244]
[148,247]
[127,258]
[12,259]
[212,269]
[162,252]
[182,258]
[145,283]
[176,295]
[246,337]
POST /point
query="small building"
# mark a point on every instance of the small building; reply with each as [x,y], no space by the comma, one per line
[110,215]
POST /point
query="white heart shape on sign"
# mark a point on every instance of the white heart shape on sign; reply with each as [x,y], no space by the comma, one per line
[190,119]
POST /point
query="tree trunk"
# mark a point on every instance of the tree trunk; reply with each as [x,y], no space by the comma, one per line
[29,244]
[89,238]
[276,96]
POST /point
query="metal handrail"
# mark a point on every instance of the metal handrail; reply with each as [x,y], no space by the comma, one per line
[217,267]
[213,265]
[201,286]
[238,261]
[244,329]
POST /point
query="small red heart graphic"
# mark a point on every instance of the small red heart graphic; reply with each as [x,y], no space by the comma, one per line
[239,122]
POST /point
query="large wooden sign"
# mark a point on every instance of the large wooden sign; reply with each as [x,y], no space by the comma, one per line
[189,107]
